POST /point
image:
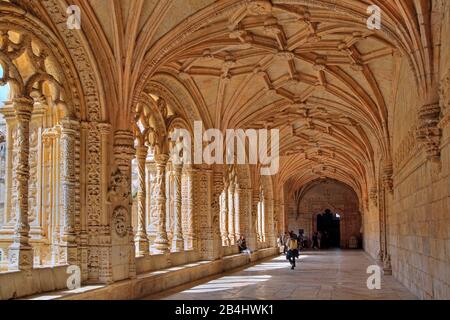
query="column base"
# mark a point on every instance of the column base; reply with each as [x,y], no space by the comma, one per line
[177,244]
[387,267]
[20,257]
[160,247]
[142,246]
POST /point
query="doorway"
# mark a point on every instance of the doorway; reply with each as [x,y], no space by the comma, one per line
[328,224]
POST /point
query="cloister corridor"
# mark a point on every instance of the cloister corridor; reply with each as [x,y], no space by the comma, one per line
[319,275]
[151,144]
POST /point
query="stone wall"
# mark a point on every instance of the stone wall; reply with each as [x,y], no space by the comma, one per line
[419,216]
[328,195]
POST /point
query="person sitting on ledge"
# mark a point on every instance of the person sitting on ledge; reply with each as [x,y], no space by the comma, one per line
[242,244]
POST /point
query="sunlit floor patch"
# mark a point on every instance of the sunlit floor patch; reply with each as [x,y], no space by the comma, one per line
[228,283]
[319,275]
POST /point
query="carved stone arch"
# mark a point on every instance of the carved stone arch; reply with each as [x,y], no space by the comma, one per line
[62,71]
[159,118]
[81,61]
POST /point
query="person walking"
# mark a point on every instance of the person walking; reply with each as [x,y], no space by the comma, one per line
[292,252]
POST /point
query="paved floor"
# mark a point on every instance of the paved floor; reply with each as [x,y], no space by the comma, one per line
[320,275]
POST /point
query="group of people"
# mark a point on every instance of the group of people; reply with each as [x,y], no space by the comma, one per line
[319,240]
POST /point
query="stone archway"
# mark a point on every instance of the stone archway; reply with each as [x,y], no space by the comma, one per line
[327,195]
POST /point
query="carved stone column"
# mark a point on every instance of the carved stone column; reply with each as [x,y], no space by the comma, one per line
[231,213]
[237,212]
[385,195]
[215,247]
[68,245]
[270,222]
[161,244]
[141,239]
[177,241]
[255,235]
[224,215]
[124,152]
[190,234]
[20,252]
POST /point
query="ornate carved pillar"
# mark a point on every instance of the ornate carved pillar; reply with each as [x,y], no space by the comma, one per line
[263,219]
[270,222]
[190,234]
[141,239]
[385,195]
[237,212]
[124,152]
[68,244]
[20,252]
[215,247]
[161,243]
[224,213]
[151,200]
[231,213]
[177,241]
[207,234]
[255,220]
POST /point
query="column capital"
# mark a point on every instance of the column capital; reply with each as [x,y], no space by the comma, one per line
[23,107]
[141,152]
[70,126]
[105,128]
[161,159]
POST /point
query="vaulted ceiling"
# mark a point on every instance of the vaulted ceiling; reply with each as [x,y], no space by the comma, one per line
[310,68]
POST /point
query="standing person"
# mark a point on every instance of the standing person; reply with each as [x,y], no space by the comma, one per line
[315,240]
[292,250]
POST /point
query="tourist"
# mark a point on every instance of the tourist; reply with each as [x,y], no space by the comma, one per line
[292,252]
[242,244]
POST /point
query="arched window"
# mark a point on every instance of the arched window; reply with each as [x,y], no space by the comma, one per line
[47,156]
[154,170]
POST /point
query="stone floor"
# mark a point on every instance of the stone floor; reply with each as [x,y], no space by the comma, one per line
[320,275]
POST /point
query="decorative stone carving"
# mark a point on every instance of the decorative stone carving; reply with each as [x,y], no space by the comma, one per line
[444,100]
[161,243]
[120,221]
[119,190]
[428,132]
[20,252]
[141,239]
[177,241]
[387,176]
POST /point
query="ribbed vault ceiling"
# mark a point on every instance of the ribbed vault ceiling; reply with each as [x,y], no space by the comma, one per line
[312,69]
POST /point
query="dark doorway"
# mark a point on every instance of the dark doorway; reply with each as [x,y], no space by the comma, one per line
[329,225]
